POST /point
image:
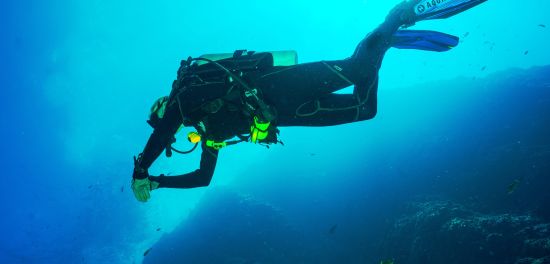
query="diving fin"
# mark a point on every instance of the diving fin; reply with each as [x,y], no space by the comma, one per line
[424,40]
[440,9]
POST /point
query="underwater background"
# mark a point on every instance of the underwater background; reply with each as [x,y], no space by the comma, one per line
[455,168]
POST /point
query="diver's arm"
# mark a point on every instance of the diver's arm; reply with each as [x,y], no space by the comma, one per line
[159,139]
[197,178]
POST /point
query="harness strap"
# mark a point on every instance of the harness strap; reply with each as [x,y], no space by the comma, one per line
[219,145]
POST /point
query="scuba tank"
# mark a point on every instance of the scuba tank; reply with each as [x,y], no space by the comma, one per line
[210,67]
[280,58]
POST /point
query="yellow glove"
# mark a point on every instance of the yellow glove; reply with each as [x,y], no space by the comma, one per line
[142,189]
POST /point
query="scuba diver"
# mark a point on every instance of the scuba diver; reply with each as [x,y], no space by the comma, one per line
[247,96]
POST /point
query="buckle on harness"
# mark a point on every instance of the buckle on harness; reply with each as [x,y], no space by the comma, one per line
[251,93]
[215,145]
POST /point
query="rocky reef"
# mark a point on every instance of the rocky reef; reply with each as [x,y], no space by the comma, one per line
[230,228]
[446,232]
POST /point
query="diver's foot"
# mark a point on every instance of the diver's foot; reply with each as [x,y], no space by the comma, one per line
[403,13]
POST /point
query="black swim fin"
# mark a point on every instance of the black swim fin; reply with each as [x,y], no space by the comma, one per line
[424,40]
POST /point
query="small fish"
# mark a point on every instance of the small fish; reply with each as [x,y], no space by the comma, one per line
[122,189]
[147,252]
[158,229]
[526,52]
[483,68]
[466,34]
[542,25]
[332,229]
[312,154]
[513,186]
[388,261]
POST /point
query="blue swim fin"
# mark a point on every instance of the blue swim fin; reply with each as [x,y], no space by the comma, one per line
[439,9]
[424,40]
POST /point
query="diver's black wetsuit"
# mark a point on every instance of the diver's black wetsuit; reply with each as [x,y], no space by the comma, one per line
[301,94]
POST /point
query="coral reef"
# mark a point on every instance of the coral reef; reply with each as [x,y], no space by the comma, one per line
[446,232]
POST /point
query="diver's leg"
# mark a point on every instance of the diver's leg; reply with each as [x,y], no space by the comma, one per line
[362,68]
[333,109]
[303,93]
[288,87]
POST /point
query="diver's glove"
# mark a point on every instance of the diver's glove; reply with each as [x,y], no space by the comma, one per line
[142,188]
[141,185]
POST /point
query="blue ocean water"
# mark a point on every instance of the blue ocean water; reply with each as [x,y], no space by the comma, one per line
[454,169]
